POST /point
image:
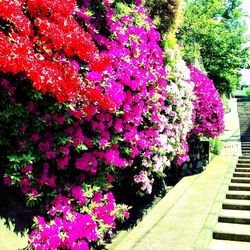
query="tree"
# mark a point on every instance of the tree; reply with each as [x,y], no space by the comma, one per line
[213,32]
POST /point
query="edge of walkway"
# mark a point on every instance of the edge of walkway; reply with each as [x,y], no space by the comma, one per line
[153,232]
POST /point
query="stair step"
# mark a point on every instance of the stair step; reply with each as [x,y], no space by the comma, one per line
[235,216]
[242,165]
[245,138]
[239,186]
[242,174]
[241,195]
[242,170]
[247,161]
[231,231]
[234,204]
[240,180]
[228,245]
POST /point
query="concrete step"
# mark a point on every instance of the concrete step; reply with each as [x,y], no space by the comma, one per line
[239,195]
[237,170]
[236,204]
[242,165]
[232,231]
[228,245]
[245,161]
[240,180]
[235,216]
[244,131]
[245,138]
[239,186]
[241,174]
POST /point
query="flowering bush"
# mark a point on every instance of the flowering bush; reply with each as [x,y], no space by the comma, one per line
[44,49]
[39,160]
[107,105]
[209,113]
[69,229]
[182,96]
[141,134]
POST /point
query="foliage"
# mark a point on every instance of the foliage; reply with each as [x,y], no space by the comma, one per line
[248,92]
[166,13]
[214,30]
[215,145]
[225,102]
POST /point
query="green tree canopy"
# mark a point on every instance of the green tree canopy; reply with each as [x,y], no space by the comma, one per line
[213,32]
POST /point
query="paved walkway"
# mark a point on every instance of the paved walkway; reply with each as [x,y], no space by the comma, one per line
[184,219]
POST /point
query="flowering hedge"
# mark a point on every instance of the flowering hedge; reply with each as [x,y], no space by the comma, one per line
[181,88]
[91,97]
[209,111]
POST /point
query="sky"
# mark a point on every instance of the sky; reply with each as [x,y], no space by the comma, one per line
[246,73]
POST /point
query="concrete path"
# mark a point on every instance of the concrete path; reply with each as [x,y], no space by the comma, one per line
[185,218]
[10,240]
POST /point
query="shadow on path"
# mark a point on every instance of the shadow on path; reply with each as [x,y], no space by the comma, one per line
[16,216]
[243,106]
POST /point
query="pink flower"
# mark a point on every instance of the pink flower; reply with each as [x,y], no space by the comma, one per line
[59,119]
[78,194]
[112,156]
[110,178]
[31,107]
[88,163]
[97,197]
[22,128]
[7,181]
[52,181]
[35,137]
[43,146]
[50,154]
[27,169]
[118,125]
[63,162]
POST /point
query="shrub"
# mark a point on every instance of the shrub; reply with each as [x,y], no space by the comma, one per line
[209,112]
[215,145]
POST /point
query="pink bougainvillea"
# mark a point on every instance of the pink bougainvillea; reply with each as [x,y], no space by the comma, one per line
[208,108]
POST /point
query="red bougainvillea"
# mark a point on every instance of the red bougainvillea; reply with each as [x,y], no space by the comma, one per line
[44,49]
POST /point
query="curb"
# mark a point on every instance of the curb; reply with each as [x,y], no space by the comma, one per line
[206,233]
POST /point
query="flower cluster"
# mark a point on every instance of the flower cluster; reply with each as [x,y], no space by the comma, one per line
[147,128]
[181,94]
[209,112]
[44,51]
[70,229]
